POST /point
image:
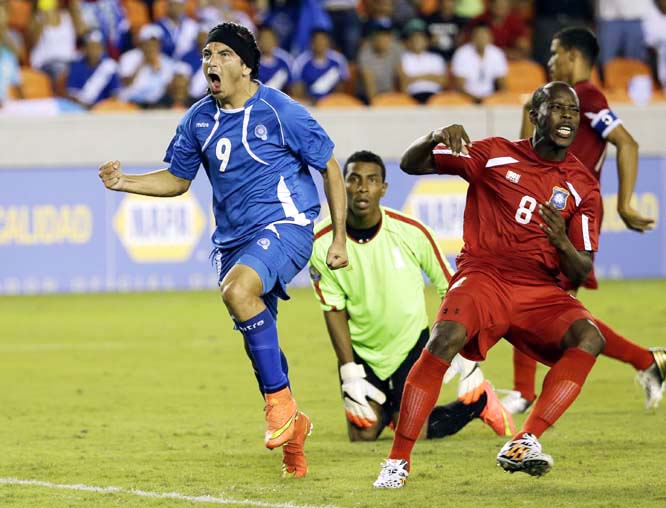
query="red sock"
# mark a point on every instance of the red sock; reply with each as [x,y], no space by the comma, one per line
[623,349]
[561,386]
[524,372]
[422,388]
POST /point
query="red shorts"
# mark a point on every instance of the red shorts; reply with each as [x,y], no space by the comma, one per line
[533,318]
[589,283]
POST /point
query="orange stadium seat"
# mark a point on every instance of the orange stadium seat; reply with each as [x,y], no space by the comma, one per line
[619,71]
[339,100]
[35,84]
[595,79]
[525,76]
[393,99]
[449,99]
[137,14]
[160,8]
[617,96]
[113,105]
[507,98]
[20,12]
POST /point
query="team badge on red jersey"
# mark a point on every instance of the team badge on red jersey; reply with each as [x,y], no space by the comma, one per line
[559,198]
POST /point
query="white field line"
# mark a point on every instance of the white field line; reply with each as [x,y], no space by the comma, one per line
[157,495]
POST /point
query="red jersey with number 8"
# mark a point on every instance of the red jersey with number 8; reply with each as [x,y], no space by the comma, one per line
[507,183]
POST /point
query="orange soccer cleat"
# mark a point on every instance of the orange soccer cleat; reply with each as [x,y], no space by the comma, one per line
[281,413]
[495,414]
[294,464]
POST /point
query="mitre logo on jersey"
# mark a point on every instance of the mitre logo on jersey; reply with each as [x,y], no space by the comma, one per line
[202,124]
[261,132]
[512,176]
[559,198]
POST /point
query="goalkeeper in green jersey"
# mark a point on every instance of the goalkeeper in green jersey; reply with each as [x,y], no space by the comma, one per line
[375,312]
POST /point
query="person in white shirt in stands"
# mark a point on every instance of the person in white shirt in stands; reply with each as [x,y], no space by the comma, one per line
[479,67]
[422,72]
[180,31]
[654,28]
[146,72]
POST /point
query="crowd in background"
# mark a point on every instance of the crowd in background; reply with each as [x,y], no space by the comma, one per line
[95,50]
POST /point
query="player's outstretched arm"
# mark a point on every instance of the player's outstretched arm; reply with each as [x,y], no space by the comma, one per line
[627,171]
[334,187]
[161,183]
[418,158]
[576,265]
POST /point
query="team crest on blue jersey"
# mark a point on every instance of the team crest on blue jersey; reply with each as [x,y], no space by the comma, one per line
[314,274]
[559,198]
[261,132]
[264,243]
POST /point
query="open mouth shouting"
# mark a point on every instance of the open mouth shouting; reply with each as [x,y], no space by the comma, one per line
[215,82]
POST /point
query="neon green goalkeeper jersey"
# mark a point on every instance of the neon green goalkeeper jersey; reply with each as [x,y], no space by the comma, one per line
[382,288]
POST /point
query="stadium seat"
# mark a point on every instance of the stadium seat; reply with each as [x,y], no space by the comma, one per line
[595,79]
[525,76]
[449,99]
[20,12]
[137,14]
[507,98]
[617,96]
[36,84]
[114,105]
[339,100]
[619,71]
[160,8]
[393,99]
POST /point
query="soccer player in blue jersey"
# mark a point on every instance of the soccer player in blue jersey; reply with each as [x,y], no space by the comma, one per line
[255,145]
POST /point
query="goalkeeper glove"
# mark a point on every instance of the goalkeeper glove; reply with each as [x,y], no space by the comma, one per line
[471,378]
[356,391]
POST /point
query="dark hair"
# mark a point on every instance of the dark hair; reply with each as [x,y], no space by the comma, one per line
[580,38]
[542,94]
[233,34]
[365,156]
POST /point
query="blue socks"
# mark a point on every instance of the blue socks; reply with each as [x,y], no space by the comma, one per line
[270,364]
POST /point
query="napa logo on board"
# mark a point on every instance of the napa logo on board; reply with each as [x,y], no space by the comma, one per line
[440,204]
[159,229]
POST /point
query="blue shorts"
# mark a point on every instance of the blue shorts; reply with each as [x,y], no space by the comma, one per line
[277,253]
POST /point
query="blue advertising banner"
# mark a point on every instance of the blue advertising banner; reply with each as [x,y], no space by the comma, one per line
[61,231]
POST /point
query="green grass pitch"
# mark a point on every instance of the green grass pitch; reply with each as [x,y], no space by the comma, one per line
[153,392]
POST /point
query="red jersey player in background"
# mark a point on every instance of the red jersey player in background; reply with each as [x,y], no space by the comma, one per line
[573,53]
[530,214]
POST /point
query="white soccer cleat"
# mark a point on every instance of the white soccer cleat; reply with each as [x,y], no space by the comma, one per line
[393,474]
[524,455]
[653,379]
[514,402]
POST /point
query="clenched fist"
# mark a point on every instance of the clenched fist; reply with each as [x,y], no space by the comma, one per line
[112,175]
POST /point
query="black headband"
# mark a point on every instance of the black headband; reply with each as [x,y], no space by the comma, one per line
[226,34]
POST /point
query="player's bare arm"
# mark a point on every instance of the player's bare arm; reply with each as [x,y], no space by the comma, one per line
[418,159]
[576,265]
[161,183]
[334,188]
[627,170]
[526,126]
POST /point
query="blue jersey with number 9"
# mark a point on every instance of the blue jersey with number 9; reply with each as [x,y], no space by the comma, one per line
[256,159]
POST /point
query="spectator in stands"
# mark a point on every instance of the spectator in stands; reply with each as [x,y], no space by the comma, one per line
[619,29]
[346,30]
[10,73]
[220,11]
[53,34]
[179,31]
[551,16]
[379,61]
[379,11]
[94,77]
[479,67]
[10,38]
[146,72]
[110,18]
[422,72]
[469,8]
[275,64]
[508,28]
[177,94]
[654,28]
[445,28]
[319,71]
[198,86]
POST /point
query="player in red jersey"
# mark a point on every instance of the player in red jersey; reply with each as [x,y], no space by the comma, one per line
[530,214]
[573,53]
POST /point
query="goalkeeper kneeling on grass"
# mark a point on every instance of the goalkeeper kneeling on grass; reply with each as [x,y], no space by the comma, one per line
[375,312]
